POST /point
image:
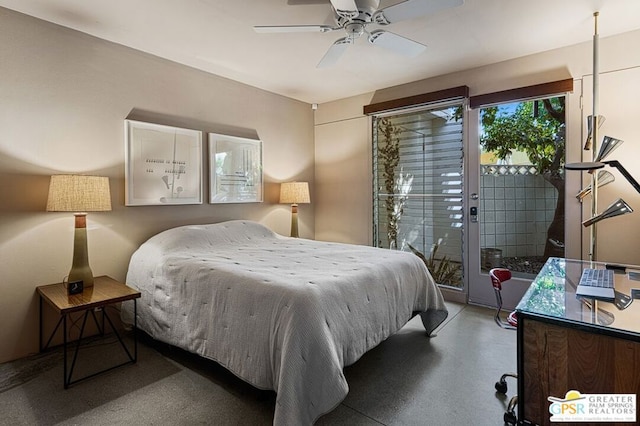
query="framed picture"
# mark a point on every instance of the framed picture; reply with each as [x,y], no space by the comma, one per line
[235,174]
[163,165]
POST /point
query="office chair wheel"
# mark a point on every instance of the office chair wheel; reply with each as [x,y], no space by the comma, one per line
[510,418]
[501,386]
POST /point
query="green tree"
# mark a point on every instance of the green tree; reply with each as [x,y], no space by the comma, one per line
[536,128]
[389,156]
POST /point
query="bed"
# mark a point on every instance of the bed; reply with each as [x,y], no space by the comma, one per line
[281,313]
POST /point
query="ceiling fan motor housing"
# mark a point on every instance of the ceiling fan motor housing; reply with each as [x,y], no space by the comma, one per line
[366,10]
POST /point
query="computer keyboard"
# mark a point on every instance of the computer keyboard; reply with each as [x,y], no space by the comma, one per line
[596,283]
[597,278]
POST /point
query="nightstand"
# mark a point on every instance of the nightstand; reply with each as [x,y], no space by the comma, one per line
[105,291]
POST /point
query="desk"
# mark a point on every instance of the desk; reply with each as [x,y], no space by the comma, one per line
[569,343]
[105,291]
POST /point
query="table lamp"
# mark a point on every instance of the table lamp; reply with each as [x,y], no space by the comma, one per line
[294,193]
[79,194]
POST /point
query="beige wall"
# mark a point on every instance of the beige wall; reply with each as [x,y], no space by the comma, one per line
[343,173]
[618,57]
[64,97]
[618,239]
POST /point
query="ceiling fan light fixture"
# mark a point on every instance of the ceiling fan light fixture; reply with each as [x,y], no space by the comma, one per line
[354,30]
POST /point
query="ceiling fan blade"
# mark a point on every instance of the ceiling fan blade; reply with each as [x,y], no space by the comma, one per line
[293,28]
[345,8]
[412,9]
[396,43]
[305,2]
[334,53]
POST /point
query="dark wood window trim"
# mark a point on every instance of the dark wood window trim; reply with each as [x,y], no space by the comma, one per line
[522,93]
[416,100]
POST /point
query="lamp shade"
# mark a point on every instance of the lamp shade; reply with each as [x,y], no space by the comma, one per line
[617,208]
[294,193]
[604,178]
[79,193]
[609,144]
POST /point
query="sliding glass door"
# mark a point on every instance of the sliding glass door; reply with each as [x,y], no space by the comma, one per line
[469,190]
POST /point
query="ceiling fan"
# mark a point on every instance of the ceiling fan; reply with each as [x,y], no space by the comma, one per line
[353,16]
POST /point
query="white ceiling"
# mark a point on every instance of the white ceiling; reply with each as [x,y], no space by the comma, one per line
[217,36]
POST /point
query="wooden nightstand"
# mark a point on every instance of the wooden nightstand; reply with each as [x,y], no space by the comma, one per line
[105,291]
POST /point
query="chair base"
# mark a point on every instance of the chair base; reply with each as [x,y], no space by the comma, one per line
[510,324]
[510,417]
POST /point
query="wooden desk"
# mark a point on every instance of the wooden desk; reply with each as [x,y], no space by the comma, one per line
[105,291]
[568,343]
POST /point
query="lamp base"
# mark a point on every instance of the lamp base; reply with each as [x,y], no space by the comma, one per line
[294,220]
[80,270]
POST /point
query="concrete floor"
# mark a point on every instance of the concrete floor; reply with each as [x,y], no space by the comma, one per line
[408,379]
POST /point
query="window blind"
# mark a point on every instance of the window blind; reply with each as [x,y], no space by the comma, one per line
[430,147]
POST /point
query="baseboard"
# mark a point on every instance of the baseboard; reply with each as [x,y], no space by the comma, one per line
[454,295]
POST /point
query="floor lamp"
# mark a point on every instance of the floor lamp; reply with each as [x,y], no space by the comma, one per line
[609,144]
[79,194]
[294,193]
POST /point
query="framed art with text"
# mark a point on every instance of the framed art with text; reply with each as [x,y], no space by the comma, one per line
[235,169]
[163,165]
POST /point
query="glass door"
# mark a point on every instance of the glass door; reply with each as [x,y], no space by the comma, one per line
[517,188]
[418,187]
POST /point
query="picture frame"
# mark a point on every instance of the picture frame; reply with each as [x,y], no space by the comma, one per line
[235,169]
[163,165]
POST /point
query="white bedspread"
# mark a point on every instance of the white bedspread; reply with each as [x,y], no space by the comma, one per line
[281,313]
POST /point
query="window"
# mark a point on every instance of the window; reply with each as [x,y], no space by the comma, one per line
[418,186]
[522,184]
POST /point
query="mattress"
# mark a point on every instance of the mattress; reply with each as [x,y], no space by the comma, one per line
[281,313]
